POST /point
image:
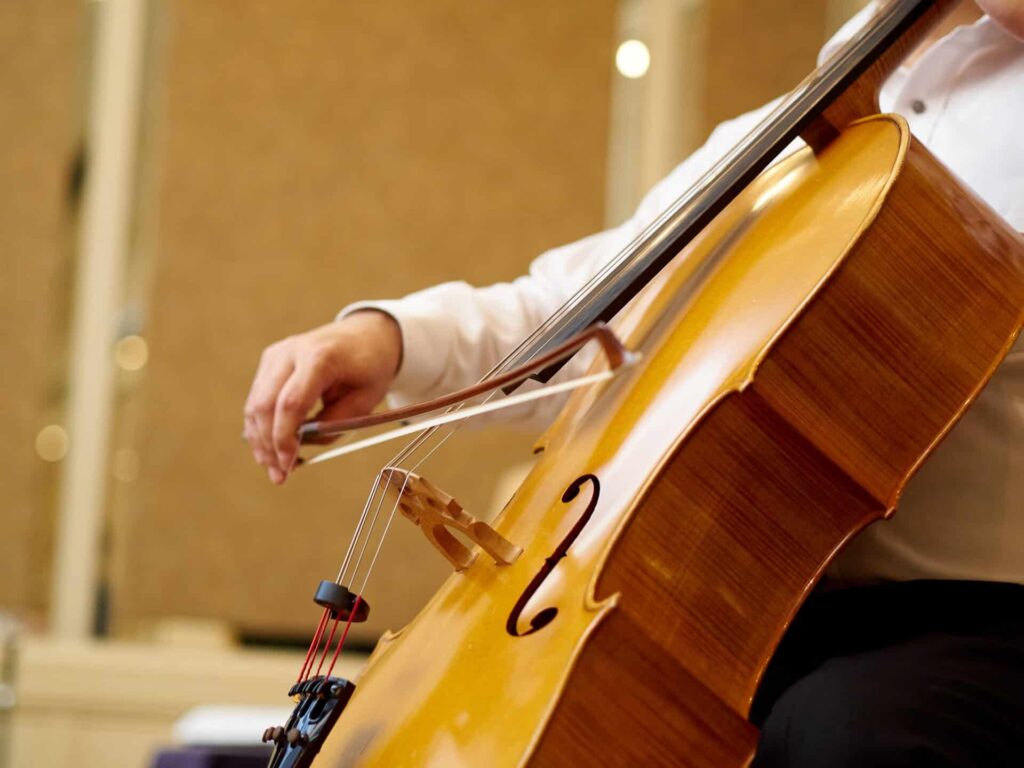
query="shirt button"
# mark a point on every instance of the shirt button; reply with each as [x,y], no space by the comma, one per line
[918,106]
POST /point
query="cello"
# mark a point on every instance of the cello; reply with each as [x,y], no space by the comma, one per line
[785,346]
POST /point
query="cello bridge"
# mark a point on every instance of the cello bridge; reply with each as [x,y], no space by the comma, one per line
[436,514]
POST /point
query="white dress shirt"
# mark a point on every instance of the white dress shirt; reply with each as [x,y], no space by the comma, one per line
[962,515]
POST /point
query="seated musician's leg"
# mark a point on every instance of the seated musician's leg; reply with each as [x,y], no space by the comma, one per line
[945,696]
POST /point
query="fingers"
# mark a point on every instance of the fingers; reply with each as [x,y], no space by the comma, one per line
[350,364]
[298,395]
[259,452]
[276,366]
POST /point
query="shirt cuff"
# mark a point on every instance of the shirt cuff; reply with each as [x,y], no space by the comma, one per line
[423,359]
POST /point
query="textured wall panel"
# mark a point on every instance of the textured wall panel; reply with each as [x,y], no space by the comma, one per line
[315,153]
[757,51]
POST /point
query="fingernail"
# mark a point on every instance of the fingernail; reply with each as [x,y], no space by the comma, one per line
[276,475]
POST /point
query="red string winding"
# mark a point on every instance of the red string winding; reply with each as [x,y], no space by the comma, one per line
[327,646]
[314,644]
[341,642]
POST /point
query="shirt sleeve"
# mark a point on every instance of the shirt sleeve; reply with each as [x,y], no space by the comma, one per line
[453,333]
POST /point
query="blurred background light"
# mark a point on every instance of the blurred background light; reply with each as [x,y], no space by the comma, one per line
[52,443]
[131,353]
[632,59]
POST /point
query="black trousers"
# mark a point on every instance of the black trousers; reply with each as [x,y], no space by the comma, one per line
[922,673]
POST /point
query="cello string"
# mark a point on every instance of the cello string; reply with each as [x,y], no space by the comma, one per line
[425,435]
[344,636]
[359,592]
[394,462]
[391,516]
[327,646]
[408,450]
[380,542]
[373,522]
[313,644]
[450,429]
[387,527]
[359,527]
[355,571]
[379,491]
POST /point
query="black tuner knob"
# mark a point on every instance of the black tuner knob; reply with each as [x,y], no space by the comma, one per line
[341,601]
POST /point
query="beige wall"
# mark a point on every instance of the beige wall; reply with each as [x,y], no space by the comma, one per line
[312,154]
[39,58]
[757,51]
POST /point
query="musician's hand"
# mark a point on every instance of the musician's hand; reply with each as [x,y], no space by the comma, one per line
[349,364]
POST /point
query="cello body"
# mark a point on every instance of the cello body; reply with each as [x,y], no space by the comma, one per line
[798,361]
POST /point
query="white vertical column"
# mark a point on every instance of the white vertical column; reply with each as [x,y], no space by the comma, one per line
[102,242]
[656,119]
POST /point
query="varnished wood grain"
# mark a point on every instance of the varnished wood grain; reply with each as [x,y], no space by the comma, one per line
[928,300]
[651,710]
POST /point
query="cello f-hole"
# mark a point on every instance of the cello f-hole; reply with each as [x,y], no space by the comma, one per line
[545,616]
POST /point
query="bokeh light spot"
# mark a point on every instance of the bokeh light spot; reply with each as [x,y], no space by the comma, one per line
[52,443]
[131,353]
[632,59]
